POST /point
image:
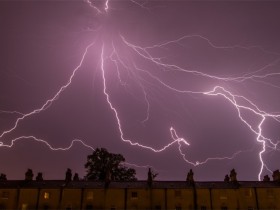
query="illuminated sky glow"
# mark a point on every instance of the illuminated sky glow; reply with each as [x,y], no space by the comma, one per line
[196,88]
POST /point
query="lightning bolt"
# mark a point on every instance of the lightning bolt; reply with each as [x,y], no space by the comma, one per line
[110,53]
[46,143]
[49,102]
[92,5]
[98,11]
[254,109]
[103,58]
[216,91]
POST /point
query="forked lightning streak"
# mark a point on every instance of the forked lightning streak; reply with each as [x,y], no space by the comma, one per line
[110,53]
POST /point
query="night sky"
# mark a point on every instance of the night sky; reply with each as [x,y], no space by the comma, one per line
[153,65]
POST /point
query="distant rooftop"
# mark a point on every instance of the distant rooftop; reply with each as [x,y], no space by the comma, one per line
[136,184]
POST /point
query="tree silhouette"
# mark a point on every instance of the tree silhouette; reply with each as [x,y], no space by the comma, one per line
[29,174]
[3,177]
[39,176]
[68,175]
[76,177]
[102,165]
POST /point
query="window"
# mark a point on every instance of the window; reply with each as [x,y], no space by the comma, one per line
[2,207]
[69,207]
[5,195]
[89,195]
[46,207]
[177,193]
[46,195]
[270,193]
[24,206]
[203,208]
[223,197]
[88,207]
[271,206]
[134,195]
[248,193]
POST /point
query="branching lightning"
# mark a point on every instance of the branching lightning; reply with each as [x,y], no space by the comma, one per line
[49,102]
[110,54]
[235,100]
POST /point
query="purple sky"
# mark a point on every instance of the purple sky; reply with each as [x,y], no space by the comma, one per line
[233,45]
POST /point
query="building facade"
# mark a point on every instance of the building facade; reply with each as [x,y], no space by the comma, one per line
[176,195]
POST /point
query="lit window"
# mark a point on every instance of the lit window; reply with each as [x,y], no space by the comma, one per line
[134,195]
[178,193]
[5,195]
[89,195]
[24,206]
[46,195]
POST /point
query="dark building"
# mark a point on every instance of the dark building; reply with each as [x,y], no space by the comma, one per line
[177,195]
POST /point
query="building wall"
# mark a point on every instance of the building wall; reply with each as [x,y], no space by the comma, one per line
[71,199]
[8,199]
[269,198]
[158,199]
[140,198]
[49,198]
[203,198]
[93,198]
[247,198]
[28,199]
[224,198]
[180,199]
[114,199]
